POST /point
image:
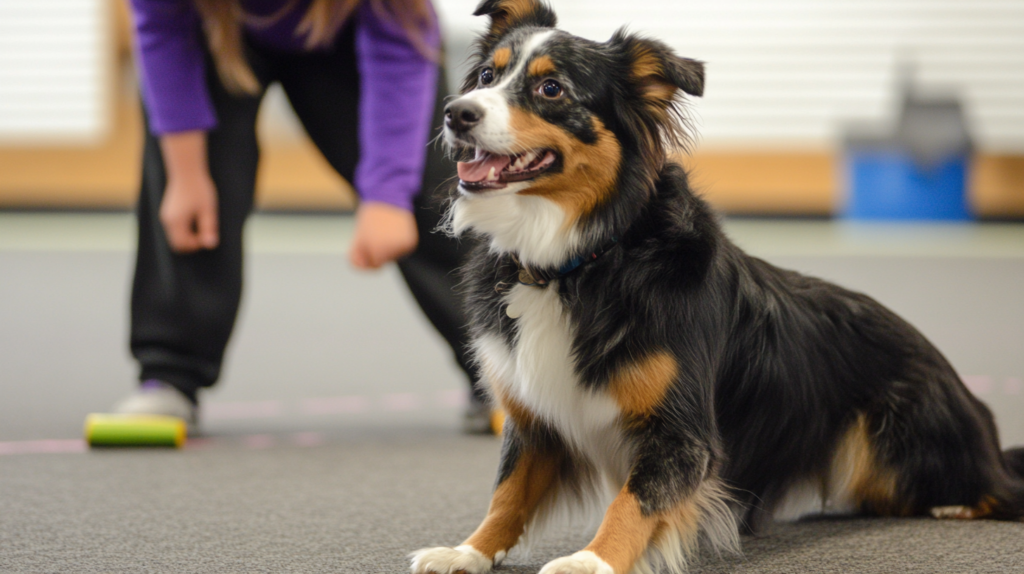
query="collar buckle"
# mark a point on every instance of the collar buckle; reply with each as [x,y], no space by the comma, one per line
[540,279]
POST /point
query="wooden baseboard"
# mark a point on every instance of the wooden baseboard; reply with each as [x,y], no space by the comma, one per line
[802,183]
[811,183]
[997,186]
[294,176]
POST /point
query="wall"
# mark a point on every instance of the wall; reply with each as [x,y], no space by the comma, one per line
[784,79]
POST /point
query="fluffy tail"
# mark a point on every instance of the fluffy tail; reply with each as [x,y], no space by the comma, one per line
[1011,506]
[1015,461]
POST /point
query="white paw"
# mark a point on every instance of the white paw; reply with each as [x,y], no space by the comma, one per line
[444,560]
[582,562]
[956,512]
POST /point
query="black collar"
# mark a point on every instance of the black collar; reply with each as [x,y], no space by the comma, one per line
[541,278]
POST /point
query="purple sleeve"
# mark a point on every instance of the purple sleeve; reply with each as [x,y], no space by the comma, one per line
[172,71]
[396,104]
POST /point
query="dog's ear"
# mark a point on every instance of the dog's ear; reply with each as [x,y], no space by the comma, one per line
[653,76]
[657,71]
[508,14]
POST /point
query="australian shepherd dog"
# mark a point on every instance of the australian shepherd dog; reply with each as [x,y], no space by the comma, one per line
[646,364]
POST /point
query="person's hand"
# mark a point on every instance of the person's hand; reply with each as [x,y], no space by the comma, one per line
[188,211]
[383,234]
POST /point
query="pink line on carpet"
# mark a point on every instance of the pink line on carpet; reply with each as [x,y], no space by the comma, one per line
[307,439]
[242,410]
[199,443]
[43,446]
[335,405]
[453,398]
[401,401]
[259,441]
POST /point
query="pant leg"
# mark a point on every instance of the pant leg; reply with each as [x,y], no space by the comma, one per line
[324,91]
[183,306]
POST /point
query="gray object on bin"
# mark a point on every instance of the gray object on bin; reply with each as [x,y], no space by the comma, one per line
[932,129]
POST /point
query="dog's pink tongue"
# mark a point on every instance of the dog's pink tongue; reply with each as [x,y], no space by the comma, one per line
[477,170]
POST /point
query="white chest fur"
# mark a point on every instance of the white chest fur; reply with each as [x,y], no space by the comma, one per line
[538,373]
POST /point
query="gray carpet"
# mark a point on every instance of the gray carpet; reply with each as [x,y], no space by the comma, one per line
[360,503]
[331,445]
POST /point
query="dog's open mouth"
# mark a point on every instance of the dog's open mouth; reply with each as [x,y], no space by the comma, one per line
[491,171]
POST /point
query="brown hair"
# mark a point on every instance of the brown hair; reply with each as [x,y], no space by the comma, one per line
[223,21]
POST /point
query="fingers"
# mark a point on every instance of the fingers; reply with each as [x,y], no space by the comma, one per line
[373,252]
[207,232]
[383,234]
[189,216]
[180,231]
[360,258]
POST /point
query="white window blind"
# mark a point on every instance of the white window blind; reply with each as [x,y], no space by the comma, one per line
[783,72]
[53,70]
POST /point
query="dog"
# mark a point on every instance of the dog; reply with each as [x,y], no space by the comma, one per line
[642,356]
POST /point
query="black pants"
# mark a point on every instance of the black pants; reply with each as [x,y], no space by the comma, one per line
[183,306]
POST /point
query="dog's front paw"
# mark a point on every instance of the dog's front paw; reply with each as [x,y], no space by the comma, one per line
[443,560]
[582,562]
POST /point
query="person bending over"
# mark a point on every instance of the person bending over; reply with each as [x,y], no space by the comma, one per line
[363,78]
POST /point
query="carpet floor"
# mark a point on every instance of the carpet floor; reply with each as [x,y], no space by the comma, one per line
[361,501]
[331,444]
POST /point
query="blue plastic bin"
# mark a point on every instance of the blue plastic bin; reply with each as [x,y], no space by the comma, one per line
[886,183]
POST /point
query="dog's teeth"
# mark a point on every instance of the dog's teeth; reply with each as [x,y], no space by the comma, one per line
[528,158]
[492,175]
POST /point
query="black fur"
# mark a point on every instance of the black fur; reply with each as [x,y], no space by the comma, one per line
[774,366]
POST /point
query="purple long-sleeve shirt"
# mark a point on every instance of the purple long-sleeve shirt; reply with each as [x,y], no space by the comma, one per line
[397,85]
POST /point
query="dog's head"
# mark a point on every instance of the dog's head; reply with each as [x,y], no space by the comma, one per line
[562,137]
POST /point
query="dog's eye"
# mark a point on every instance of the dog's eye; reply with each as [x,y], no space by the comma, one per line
[550,89]
[486,76]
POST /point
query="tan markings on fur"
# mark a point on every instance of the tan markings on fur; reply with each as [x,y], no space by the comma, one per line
[656,92]
[514,502]
[872,485]
[681,525]
[589,171]
[659,93]
[541,66]
[502,57]
[514,11]
[645,64]
[515,410]
[639,387]
[648,71]
[984,508]
[625,533]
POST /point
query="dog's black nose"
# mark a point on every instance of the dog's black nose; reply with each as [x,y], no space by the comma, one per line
[461,115]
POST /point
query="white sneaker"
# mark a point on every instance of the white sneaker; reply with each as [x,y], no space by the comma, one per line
[158,398]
